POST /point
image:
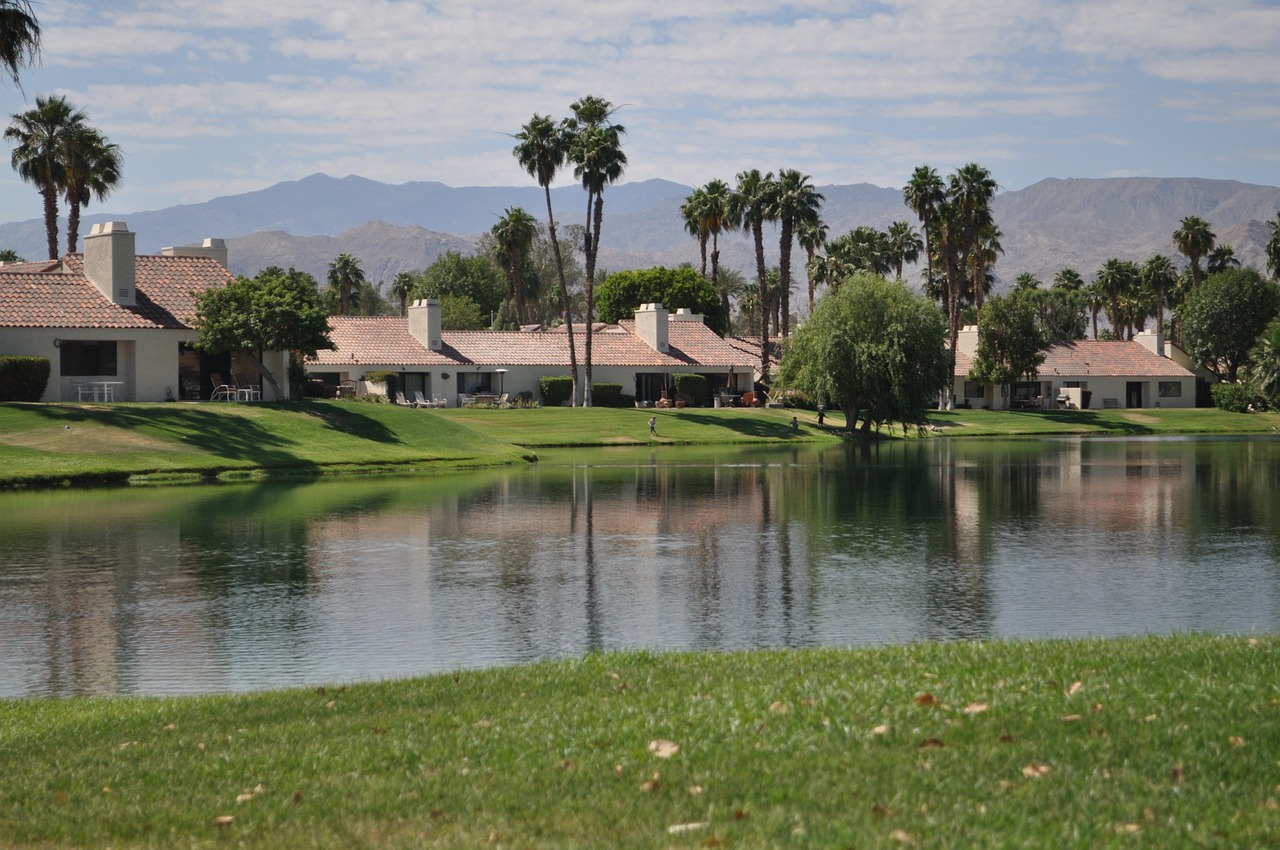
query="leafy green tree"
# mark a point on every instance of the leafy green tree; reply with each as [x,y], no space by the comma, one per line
[1194,240]
[794,200]
[19,37]
[1060,313]
[873,349]
[542,149]
[750,206]
[474,277]
[92,168]
[1010,343]
[513,236]
[460,313]
[345,275]
[275,311]
[621,293]
[41,137]
[1223,318]
[595,149]
[1263,370]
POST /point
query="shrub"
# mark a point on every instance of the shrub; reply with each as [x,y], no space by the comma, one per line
[606,395]
[23,378]
[1086,396]
[557,390]
[1233,398]
[691,389]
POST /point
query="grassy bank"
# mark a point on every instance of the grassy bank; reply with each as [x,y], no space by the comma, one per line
[1151,742]
[51,444]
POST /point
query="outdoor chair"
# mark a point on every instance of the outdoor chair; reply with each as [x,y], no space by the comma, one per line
[221,391]
[82,389]
[420,401]
[441,401]
[401,399]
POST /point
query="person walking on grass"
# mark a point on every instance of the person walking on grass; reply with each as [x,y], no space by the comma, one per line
[653,426]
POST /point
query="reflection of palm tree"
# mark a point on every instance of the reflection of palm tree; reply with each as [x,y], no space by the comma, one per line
[41,136]
[542,149]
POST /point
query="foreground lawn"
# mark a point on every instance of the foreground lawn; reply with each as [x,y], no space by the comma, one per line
[1152,742]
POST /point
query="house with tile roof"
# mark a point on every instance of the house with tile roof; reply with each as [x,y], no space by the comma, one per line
[641,354]
[1140,372]
[111,316]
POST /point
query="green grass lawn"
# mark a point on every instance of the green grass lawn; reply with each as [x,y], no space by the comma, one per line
[45,444]
[1146,742]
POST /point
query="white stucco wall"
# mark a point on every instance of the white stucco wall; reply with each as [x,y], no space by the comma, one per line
[1100,388]
[146,363]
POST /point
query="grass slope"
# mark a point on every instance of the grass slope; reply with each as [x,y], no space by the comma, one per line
[1147,742]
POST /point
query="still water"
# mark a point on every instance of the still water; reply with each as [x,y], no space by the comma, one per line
[243,587]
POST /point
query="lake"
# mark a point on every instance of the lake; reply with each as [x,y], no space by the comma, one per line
[226,588]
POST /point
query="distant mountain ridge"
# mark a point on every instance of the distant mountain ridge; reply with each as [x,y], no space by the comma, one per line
[305,223]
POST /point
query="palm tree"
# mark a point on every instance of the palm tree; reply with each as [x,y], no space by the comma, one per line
[595,149]
[542,148]
[1095,299]
[923,195]
[1273,247]
[345,275]
[693,213]
[1158,279]
[41,137]
[715,214]
[19,36]
[1068,279]
[749,207]
[795,200]
[8,255]
[92,169]
[1194,240]
[904,245]
[513,234]
[811,235]
[862,249]
[1026,282]
[1221,258]
[402,287]
[1117,282]
[971,189]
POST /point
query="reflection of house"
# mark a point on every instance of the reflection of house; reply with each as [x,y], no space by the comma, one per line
[109,315]
[641,354]
[1114,373]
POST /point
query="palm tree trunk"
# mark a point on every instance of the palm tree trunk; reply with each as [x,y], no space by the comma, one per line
[784,276]
[50,196]
[73,226]
[757,231]
[564,294]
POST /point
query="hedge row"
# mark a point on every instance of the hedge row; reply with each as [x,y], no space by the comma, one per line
[23,378]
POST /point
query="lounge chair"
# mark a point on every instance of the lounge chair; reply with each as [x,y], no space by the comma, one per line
[402,400]
[221,391]
[420,401]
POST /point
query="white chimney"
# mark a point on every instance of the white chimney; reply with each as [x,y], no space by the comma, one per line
[651,326]
[684,314]
[424,323]
[215,248]
[967,340]
[110,262]
[1151,341]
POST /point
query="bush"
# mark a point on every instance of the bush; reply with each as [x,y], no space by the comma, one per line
[23,378]
[606,395]
[1233,398]
[1086,396]
[557,390]
[691,389]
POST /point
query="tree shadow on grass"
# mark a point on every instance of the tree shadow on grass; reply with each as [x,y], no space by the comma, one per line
[745,426]
[349,419]
[1088,419]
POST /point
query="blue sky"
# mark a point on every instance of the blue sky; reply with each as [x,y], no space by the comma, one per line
[215,97]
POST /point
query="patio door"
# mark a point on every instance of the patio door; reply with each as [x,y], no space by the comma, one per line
[1133,394]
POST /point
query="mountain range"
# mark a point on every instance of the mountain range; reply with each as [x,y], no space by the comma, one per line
[1052,224]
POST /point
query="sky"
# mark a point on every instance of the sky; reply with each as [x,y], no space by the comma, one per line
[219,97]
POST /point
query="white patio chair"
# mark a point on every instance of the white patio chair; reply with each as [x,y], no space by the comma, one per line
[221,391]
[441,401]
[420,401]
[82,389]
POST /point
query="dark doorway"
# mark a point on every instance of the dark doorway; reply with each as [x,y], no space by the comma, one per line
[1133,394]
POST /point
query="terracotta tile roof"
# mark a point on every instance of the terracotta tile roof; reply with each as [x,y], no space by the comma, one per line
[49,295]
[385,340]
[1097,358]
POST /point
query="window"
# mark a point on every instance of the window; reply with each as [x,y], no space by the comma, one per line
[972,389]
[87,358]
[1170,389]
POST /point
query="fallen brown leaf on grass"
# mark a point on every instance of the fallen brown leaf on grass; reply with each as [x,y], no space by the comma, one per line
[652,784]
[1178,773]
[904,838]
[1072,718]
[882,729]
[224,821]
[931,744]
[1075,688]
[1236,741]
[778,707]
[926,699]
[976,708]
[1034,770]
[663,749]
[695,790]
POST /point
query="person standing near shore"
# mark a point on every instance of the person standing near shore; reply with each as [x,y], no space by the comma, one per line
[653,426]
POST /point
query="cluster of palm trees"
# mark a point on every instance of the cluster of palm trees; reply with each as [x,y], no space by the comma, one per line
[865,249]
[590,141]
[789,200]
[57,151]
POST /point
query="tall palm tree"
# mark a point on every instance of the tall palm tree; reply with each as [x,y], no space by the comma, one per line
[1068,279]
[19,36]
[1273,247]
[795,200]
[1095,299]
[1025,282]
[715,214]
[749,208]
[345,275]
[812,235]
[595,149]
[1158,279]
[1194,240]
[402,287]
[971,189]
[542,148]
[1117,282]
[693,214]
[513,234]
[904,245]
[92,169]
[40,137]
[923,195]
[1221,258]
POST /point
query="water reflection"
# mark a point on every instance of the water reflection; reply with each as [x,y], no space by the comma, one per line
[244,587]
